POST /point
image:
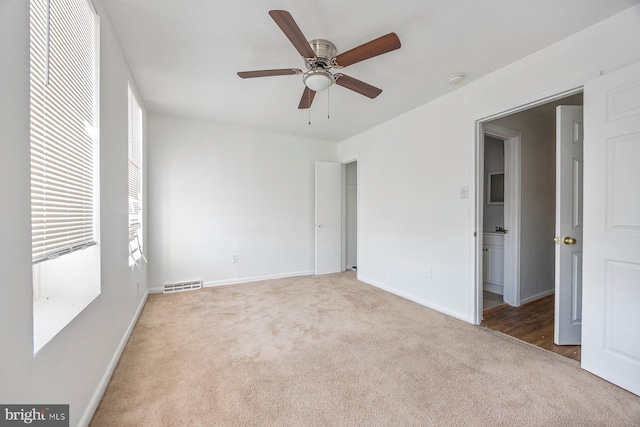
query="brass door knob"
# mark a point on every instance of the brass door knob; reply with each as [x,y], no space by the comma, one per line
[569,241]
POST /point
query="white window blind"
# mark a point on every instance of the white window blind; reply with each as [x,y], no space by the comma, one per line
[135,169]
[63,150]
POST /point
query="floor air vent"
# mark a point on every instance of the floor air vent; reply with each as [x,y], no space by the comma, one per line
[184,286]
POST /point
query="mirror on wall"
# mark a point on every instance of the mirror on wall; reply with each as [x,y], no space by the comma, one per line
[495,188]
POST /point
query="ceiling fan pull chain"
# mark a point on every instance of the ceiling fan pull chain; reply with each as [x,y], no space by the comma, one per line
[328,105]
[309,109]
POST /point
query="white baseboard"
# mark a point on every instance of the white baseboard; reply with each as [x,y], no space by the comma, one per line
[104,382]
[496,289]
[237,280]
[537,296]
[210,284]
[413,298]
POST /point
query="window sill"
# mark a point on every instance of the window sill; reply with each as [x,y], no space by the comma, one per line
[53,312]
[62,288]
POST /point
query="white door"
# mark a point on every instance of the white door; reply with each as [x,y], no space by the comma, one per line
[568,269]
[611,293]
[328,218]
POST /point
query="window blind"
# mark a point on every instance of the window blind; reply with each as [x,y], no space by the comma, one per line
[135,167]
[63,82]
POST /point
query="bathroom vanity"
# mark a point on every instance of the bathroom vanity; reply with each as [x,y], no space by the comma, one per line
[493,262]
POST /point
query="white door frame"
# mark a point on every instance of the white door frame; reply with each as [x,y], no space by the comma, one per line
[480,125]
[344,212]
[512,167]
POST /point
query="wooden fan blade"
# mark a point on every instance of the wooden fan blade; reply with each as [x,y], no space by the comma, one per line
[307,98]
[358,86]
[368,50]
[268,73]
[292,31]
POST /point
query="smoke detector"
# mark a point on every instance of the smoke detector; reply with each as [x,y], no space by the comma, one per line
[456,78]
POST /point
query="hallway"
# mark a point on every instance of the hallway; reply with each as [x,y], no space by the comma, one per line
[532,323]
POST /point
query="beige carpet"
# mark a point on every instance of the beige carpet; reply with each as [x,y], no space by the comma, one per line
[332,351]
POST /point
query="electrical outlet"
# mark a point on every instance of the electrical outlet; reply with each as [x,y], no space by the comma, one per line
[234,258]
[428,271]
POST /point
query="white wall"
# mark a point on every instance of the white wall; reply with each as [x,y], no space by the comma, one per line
[72,367]
[220,190]
[411,168]
[261,185]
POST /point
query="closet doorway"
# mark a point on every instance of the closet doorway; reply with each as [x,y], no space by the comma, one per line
[350,216]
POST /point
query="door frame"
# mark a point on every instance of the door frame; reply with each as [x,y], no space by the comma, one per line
[344,164]
[512,172]
[480,123]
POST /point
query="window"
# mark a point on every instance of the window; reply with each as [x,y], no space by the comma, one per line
[62,123]
[135,179]
[64,162]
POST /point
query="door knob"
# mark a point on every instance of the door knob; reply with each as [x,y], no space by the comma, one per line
[569,241]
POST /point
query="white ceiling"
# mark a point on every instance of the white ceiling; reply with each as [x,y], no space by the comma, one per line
[184,54]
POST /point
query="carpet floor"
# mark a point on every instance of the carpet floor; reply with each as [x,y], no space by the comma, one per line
[332,351]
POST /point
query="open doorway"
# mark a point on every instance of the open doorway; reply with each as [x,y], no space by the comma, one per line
[529,312]
[350,216]
[493,223]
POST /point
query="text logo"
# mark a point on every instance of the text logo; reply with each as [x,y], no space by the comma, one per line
[34,415]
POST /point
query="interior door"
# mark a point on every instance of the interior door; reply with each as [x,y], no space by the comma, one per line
[611,299]
[569,223]
[328,218]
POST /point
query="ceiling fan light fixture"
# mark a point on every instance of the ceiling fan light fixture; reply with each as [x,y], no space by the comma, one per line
[318,80]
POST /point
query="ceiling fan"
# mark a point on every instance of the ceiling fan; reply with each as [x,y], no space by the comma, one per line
[320,56]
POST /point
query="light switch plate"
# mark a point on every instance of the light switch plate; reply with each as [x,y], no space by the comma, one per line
[464,192]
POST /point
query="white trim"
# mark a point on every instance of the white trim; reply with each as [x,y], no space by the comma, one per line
[343,217]
[478,280]
[413,298]
[512,173]
[344,164]
[492,287]
[238,280]
[577,86]
[257,278]
[512,219]
[538,296]
[106,377]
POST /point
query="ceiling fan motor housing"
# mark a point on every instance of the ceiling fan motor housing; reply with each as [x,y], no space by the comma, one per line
[324,50]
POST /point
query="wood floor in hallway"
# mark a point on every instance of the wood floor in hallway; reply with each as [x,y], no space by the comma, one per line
[532,323]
